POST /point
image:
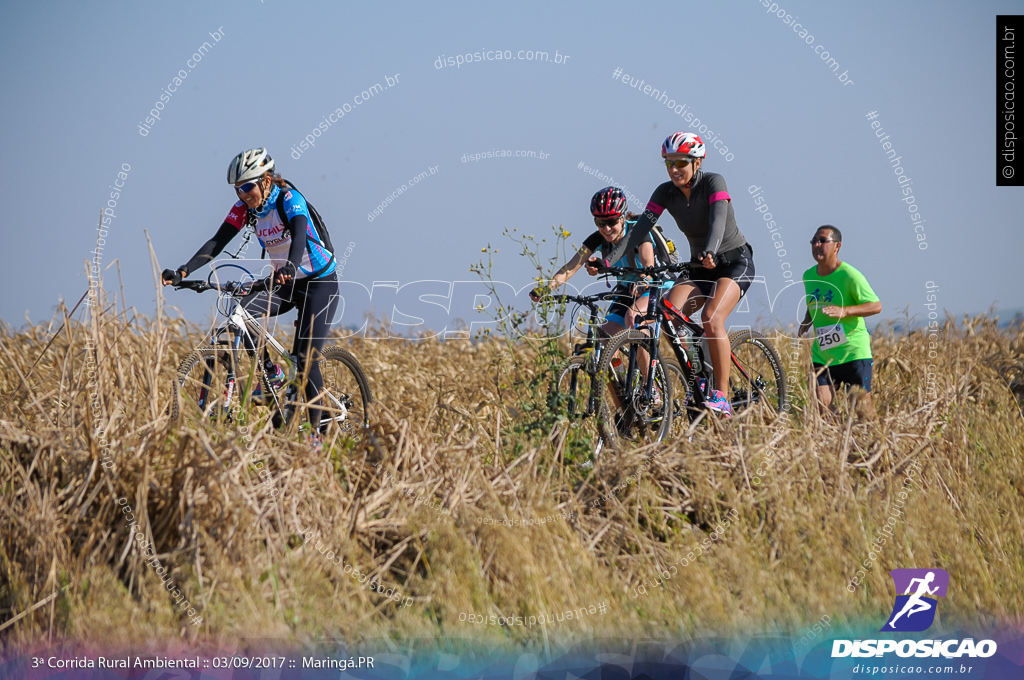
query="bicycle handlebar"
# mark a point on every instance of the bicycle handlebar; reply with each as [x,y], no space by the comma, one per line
[232,288]
[687,267]
[587,300]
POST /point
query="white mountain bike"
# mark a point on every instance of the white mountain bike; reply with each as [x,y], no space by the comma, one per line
[224,378]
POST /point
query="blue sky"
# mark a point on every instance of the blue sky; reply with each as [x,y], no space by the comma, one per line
[82,76]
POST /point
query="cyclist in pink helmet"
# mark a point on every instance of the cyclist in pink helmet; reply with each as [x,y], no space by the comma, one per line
[702,208]
[608,206]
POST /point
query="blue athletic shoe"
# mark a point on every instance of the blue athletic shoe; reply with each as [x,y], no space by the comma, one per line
[316,444]
[277,379]
[719,403]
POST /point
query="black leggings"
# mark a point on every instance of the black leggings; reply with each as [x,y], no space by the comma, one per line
[317,302]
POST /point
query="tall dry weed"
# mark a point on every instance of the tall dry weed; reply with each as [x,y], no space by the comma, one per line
[413,505]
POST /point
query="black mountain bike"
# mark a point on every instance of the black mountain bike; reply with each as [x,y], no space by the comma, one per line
[649,392]
[576,378]
[220,381]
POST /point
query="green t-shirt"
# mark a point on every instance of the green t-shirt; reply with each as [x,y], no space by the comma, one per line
[848,339]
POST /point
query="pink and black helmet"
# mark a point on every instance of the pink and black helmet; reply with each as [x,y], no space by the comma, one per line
[608,202]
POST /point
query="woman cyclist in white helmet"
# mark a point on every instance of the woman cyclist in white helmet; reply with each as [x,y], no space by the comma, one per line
[304,267]
[700,203]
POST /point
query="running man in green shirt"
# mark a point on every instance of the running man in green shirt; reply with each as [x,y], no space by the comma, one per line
[838,299]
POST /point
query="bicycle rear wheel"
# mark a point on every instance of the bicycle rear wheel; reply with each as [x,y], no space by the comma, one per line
[627,415]
[208,387]
[346,400]
[757,377]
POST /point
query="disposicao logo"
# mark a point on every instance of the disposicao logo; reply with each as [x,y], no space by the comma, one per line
[914,610]
[917,593]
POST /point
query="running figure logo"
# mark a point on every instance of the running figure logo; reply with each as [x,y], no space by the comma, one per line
[914,609]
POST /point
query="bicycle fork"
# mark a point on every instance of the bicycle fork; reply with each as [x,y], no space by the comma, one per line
[633,364]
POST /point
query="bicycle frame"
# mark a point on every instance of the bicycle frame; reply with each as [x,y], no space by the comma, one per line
[238,324]
[658,310]
[662,313]
[243,325]
[703,350]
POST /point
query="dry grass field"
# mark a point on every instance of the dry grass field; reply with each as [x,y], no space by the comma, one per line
[460,442]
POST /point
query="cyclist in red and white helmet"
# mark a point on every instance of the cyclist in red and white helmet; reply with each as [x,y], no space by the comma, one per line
[699,202]
[608,206]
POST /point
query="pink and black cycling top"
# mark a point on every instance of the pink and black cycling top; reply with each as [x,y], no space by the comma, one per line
[706,219]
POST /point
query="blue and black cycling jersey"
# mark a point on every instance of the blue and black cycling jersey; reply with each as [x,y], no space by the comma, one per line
[277,237]
[595,242]
[297,242]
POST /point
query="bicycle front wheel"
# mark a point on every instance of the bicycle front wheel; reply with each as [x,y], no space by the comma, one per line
[208,386]
[573,392]
[573,388]
[346,400]
[628,412]
[757,378]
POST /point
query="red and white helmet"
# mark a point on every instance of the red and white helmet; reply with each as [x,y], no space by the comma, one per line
[683,144]
[608,202]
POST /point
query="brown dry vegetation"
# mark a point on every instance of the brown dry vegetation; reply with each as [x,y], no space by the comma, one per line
[450,427]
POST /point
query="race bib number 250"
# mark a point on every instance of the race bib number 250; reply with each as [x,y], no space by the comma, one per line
[831,336]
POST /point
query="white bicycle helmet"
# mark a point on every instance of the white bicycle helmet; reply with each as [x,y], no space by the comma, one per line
[683,144]
[250,165]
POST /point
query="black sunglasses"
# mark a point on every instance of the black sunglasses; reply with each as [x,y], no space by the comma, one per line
[820,240]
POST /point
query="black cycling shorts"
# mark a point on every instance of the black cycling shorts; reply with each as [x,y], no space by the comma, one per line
[856,373]
[740,270]
[622,305]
